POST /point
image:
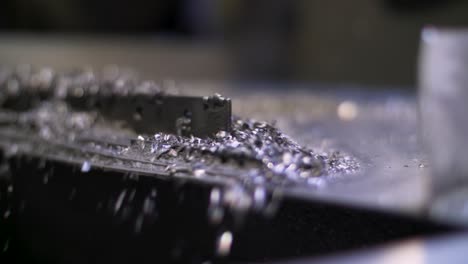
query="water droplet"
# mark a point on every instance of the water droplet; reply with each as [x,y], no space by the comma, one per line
[259,197]
[6,245]
[148,205]
[215,214]
[45,179]
[215,196]
[118,203]
[224,244]
[21,206]
[139,223]
[42,164]
[72,194]
[132,195]
[237,198]
[86,166]
[6,214]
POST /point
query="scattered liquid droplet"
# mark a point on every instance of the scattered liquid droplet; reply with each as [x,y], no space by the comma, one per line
[216,214]
[86,166]
[6,245]
[118,203]
[139,223]
[7,214]
[224,244]
[215,197]
[260,197]
[72,194]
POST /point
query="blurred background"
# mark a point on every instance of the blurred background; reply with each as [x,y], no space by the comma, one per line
[370,42]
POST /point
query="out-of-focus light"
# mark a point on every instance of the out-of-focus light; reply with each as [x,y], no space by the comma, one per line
[224,244]
[347,110]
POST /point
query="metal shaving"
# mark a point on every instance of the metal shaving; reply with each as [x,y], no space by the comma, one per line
[267,155]
[247,167]
[252,154]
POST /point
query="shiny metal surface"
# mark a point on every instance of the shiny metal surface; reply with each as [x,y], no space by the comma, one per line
[443,92]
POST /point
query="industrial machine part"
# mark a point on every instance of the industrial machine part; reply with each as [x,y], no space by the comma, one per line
[443,92]
[85,182]
[115,96]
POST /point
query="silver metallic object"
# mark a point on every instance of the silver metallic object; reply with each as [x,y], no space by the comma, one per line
[443,84]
